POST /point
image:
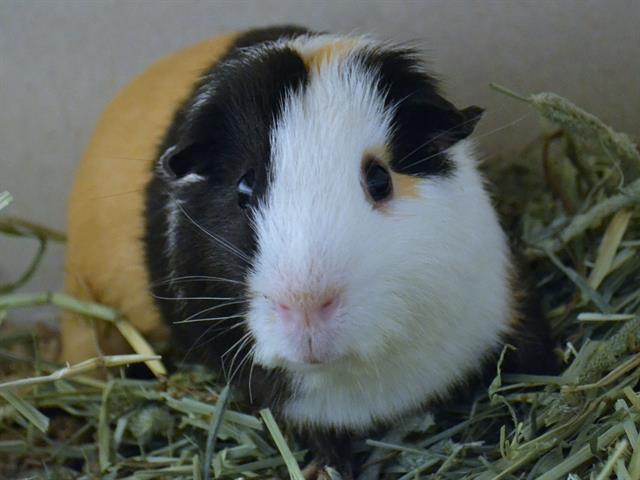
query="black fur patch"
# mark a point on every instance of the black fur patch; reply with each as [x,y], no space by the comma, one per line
[220,133]
[425,123]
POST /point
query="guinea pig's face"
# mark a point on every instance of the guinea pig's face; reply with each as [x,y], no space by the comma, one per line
[344,182]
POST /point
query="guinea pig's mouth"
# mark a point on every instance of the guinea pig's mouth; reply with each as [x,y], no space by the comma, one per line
[309,359]
[310,364]
[300,356]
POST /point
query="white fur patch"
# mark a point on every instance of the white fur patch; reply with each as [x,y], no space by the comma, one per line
[424,282]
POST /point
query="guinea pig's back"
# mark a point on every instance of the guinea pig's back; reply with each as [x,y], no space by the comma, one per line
[105,255]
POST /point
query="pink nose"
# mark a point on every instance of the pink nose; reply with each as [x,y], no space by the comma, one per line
[308,312]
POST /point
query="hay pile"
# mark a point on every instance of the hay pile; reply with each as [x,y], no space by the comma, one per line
[571,201]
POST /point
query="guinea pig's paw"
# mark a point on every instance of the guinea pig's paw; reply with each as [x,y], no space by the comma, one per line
[311,471]
[332,474]
[317,470]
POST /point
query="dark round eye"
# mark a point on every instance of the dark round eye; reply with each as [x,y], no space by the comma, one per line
[245,189]
[378,181]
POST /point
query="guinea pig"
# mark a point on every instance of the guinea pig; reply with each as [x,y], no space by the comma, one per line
[305,210]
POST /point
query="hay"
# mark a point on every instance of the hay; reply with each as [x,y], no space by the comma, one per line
[571,200]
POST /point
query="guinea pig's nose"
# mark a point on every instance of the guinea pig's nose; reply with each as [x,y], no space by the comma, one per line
[308,311]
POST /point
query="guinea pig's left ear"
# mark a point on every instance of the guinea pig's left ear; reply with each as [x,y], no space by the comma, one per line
[437,121]
[183,159]
[471,116]
[453,125]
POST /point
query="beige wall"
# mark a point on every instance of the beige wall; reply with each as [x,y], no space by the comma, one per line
[60,62]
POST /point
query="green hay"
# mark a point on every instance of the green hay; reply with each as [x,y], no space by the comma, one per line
[571,202]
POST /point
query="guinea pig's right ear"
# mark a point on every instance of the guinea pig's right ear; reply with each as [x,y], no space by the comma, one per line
[184,159]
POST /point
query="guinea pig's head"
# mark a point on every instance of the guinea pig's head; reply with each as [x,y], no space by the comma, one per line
[339,191]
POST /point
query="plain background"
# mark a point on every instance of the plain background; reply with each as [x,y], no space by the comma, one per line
[60,63]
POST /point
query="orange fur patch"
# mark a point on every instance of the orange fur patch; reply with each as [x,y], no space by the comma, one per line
[340,48]
[105,256]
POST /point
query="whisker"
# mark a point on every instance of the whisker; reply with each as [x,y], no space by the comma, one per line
[236,251]
[211,319]
[113,195]
[160,297]
[130,159]
[243,362]
[510,124]
[213,307]
[243,339]
[441,134]
[197,278]
[253,364]
[198,344]
[507,125]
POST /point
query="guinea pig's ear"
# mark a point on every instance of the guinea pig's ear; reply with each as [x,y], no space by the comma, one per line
[426,129]
[448,125]
[183,159]
[471,116]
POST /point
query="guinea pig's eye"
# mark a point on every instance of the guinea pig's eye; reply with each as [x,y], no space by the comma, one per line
[245,189]
[377,181]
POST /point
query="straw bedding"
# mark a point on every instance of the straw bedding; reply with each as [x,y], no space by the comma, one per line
[571,202]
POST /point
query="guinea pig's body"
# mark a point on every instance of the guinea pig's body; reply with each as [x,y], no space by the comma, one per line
[304,212]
